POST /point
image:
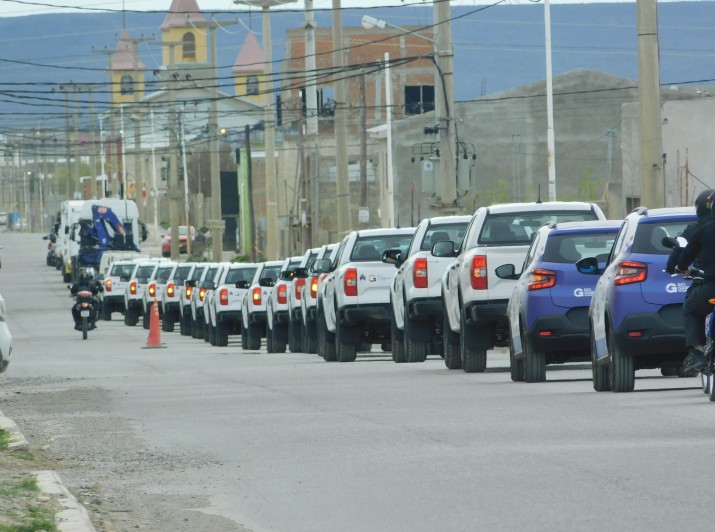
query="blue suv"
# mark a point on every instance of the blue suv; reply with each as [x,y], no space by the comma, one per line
[548,310]
[636,311]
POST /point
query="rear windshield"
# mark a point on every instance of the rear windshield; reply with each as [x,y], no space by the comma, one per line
[143,272]
[122,270]
[437,233]
[162,274]
[371,248]
[241,274]
[571,248]
[197,273]
[519,227]
[270,272]
[181,273]
[649,236]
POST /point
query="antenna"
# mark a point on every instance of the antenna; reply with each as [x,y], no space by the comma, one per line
[538,200]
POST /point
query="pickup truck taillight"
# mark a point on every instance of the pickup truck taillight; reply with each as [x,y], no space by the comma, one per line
[152,290]
[630,272]
[133,288]
[350,283]
[223,296]
[187,292]
[541,279]
[108,285]
[479,272]
[170,290]
[419,273]
[299,284]
[282,294]
[202,293]
[256,296]
[314,287]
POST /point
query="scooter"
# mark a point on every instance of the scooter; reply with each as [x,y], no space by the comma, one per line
[84,301]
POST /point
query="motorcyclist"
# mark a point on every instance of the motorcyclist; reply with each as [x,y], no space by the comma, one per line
[702,211]
[700,251]
[85,282]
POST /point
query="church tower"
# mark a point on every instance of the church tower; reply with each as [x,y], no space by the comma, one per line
[185,25]
[126,71]
[248,71]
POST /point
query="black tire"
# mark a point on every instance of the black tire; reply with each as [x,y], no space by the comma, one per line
[253,337]
[346,351]
[669,371]
[327,339]
[473,360]
[705,382]
[295,337]
[185,324]
[221,335]
[244,338]
[600,372]
[269,340]
[167,322]
[516,365]
[415,350]
[310,344]
[131,317]
[622,374]
[279,345]
[106,313]
[146,317]
[534,360]
[711,395]
[85,326]
[211,333]
[398,342]
[450,341]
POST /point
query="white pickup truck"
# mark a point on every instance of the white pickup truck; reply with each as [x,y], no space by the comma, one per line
[295,305]
[225,306]
[415,294]
[474,299]
[309,300]
[277,317]
[356,294]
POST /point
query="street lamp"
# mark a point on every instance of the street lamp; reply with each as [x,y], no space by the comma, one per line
[445,99]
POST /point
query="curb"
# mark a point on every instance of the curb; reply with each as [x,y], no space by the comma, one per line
[73,517]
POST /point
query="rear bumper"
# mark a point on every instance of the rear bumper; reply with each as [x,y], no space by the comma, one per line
[483,314]
[259,317]
[377,313]
[280,317]
[424,308]
[229,316]
[566,332]
[652,333]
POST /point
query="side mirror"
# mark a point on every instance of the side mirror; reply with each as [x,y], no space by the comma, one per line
[443,248]
[674,242]
[392,256]
[209,285]
[321,266]
[190,282]
[588,266]
[300,273]
[243,284]
[266,281]
[506,271]
[287,275]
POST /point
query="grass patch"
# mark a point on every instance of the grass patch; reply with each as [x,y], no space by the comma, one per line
[37,518]
[25,456]
[4,439]
[26,486]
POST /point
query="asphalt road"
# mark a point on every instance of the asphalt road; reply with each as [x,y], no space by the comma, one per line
[291,443]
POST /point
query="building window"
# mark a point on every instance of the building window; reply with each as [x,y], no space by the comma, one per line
[419,99]
[126,84]
[252,85]
[189,46]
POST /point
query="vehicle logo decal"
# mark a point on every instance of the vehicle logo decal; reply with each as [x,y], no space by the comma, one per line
[676,288]
[583,292]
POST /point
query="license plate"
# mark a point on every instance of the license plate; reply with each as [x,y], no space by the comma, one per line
[84,313]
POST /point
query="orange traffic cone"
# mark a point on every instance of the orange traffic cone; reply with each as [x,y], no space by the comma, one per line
[154,339]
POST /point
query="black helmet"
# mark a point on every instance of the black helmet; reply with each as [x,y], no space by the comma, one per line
[704,202]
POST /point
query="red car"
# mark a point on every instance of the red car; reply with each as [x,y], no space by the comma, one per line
[183,238]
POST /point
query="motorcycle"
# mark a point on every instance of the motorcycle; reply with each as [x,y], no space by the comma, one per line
[707,373]
[84,302]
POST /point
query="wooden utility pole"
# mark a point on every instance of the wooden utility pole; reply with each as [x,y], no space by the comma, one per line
[651,142]
[364,211]
[340,122]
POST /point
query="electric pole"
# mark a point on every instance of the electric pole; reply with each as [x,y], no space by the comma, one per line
[340,124]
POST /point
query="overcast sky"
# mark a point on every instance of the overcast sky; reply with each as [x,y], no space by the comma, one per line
[34,7]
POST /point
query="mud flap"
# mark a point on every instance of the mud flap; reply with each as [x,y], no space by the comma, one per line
[478,338]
